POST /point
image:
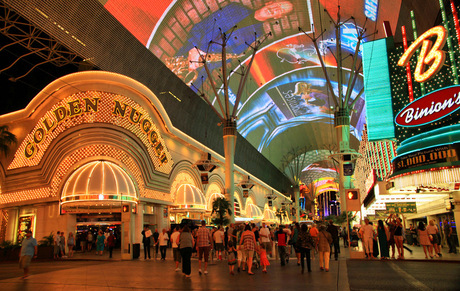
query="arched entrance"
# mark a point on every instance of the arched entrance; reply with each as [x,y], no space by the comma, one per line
[96,193]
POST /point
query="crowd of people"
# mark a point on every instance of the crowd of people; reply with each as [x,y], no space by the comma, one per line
[244,246]
[65,247]
[390,235]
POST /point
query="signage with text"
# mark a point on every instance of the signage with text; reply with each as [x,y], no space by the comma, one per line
[431,107]
[401,207]
[435,155]
[429,54]
[91,107]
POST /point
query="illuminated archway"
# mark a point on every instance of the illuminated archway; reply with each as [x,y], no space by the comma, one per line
[98,184]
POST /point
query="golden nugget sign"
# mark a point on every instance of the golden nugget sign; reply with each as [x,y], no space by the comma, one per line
[89,107]
[73,108]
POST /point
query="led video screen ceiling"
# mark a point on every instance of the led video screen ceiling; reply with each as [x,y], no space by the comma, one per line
[286,88]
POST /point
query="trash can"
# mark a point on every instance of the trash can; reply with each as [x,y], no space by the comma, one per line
[136,251]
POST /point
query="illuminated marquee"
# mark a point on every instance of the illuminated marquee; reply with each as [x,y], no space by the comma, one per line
[59,115]
[429,54]
[92,107]
[429,108]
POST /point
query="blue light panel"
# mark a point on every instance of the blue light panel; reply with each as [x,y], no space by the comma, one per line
[377,88]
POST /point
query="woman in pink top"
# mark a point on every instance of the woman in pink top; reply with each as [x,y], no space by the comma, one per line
[424,240]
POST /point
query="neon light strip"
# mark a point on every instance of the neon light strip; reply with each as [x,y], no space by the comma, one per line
[453,63]
[409,77]
[455,15]
[414,28]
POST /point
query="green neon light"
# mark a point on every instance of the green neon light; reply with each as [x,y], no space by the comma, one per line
[414,28]
[449,42]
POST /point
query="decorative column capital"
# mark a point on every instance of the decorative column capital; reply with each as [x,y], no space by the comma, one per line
[229,127]
[342,117]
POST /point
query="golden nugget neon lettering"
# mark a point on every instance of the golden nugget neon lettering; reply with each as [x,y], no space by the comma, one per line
[60,115]
[135,117]
[430,54]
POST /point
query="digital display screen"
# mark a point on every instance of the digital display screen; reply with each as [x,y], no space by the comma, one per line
[285,88]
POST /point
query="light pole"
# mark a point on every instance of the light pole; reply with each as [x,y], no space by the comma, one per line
[343,103]
[223,109]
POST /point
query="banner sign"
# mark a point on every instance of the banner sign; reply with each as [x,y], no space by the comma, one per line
[429,108]
[401,207]
[435,155]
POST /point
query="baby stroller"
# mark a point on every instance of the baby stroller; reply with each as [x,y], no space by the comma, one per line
[256,260]
[354,239]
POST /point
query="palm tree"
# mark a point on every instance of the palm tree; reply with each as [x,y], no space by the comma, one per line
[7,139]
[221,206]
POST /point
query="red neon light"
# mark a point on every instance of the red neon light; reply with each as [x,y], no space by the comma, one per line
[455,15]
[409,76]
[431,107]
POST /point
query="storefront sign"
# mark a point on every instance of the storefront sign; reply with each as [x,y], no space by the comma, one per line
[431,107]
[401,207]
[435,155]
[86,108]
[429,53]
[58,116]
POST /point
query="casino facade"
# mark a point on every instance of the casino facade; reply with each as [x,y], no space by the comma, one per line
[413,126]
[98,150]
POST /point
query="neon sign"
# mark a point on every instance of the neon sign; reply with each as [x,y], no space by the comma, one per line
[429,54]
[59,115]
[430,107]
[371,8]
[105,108]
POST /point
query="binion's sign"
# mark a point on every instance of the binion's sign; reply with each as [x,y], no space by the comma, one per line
[430,107]
[430,55]
[437,104]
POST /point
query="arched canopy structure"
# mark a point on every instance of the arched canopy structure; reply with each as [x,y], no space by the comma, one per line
[101,181]
[253,211]
[190,198]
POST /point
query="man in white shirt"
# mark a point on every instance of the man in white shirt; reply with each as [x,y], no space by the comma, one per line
[367,235]
[219,236]
[176,252]
[163,241]
[264,237]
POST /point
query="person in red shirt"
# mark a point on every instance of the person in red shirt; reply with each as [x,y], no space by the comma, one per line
[314,234]
[111,243]
[282,239]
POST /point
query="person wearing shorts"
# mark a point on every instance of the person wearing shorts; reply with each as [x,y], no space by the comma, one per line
[203,245]
[248,240]
[175,246]
[28,251]
[219,236]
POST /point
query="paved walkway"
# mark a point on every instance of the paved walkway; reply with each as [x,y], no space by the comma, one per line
[90,272]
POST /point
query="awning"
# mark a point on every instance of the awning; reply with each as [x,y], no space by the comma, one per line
[98,184]
[253,211]
[189,198]
[269,215]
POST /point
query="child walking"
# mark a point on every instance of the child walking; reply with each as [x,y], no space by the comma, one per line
[231,258]
[263,258]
